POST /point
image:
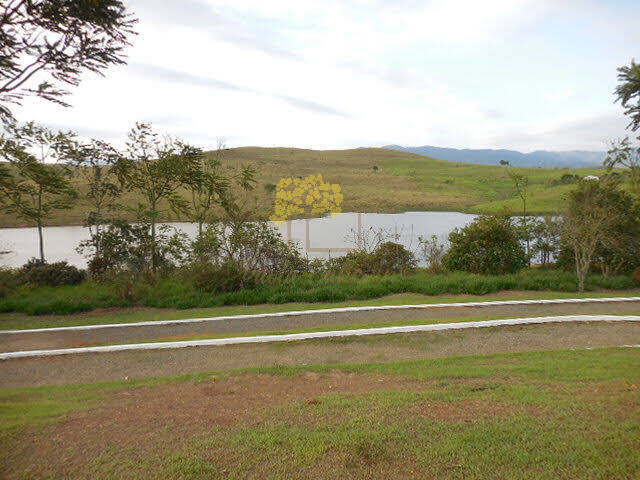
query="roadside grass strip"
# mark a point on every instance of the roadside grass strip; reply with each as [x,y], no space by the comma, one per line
[329,311]
[320,335]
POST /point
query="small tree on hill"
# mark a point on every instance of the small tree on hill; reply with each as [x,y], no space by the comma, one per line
[489,245]
[32,188]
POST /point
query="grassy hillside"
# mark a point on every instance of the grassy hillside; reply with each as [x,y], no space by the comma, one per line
[403,182]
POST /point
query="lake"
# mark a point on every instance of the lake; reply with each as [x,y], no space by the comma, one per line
[317,237]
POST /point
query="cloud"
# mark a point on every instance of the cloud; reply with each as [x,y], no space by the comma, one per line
[200,15]
[312,106]
[590,133]
[170,75]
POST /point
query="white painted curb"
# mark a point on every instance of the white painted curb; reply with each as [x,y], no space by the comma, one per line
[315,335]
[426,306]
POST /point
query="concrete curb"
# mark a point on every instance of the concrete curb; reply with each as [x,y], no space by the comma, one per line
[328,310]
[319,335]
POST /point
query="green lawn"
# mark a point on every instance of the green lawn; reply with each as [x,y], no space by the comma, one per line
[540,415]
[17,321]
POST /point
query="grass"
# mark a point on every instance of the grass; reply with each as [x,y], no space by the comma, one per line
[417,182]
[16,321]
[537,415]
[178,293]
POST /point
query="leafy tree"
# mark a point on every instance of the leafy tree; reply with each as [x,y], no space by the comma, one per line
[94,162]
[156,168]
[593,220]
[47,44]
[32,188]
[489,245]
[521,184]
[545,234]
[211,185]
[628,92]
[623,154]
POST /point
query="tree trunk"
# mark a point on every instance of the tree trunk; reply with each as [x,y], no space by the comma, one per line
[41,241]
[40,235]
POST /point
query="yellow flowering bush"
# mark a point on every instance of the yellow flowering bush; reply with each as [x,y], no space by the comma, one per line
[296,196]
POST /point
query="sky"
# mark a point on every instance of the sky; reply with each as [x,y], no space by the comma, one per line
[518,74]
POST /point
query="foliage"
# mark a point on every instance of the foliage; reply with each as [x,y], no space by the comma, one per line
[212,186]
[599,217]
[57,40]
[229,276]
[121,247]
[545,234]
[155,168]
[256,246]
[32,189]
[432,252]
[488,245]
[636,275]
[623,154]
[9,280]
[36,272]
[94,162]
[387,259]
[177,290]
[628,92]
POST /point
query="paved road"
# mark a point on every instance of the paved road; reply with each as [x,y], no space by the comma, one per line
[11,341]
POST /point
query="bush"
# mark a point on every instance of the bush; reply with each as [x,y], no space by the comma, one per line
[37,272]
[229,276]
[8,281]
[388,258]
[488,245]
[636,276]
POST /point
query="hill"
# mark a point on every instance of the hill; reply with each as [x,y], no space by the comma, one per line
[539,158]
[401,182]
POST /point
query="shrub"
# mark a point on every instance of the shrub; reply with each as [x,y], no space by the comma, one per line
[388,258]
[8,281]
[229,276]
[56,274]
[636,275]
[432,252]
[488,245]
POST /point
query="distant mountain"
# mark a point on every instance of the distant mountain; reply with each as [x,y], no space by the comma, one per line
[539,158]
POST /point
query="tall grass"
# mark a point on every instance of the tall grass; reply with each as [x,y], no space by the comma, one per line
[178,292]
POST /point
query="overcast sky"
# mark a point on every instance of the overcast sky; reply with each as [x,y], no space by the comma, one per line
[516,74]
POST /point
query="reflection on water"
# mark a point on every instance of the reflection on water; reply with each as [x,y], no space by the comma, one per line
[317,237]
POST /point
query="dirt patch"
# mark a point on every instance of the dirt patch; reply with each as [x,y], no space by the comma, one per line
[148,419]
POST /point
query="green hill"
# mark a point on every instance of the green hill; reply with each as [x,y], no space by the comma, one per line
[401,182]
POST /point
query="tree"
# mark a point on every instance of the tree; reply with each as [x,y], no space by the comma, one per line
[52,42]
[94,162]
[489,245]
[211,184]
[33,189]
[521,184]
[623,154]
[589,223]
[156,168]
[628,93]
